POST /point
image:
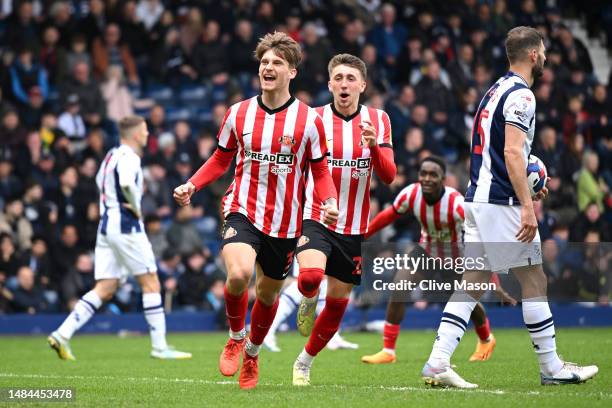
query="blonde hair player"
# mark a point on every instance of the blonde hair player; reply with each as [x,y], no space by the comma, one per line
[122,247]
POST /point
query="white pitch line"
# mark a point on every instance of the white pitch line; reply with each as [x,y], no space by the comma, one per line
[341,386]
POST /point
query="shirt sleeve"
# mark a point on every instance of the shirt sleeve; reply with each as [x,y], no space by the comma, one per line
[227,136]
[317,146]
[128,170]
[402,203]
[384,135]
[519,109]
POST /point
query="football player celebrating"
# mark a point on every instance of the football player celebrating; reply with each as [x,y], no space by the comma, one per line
[439,210]
[274,137]
[359,140]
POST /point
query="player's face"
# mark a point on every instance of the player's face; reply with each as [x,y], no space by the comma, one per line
[538,68]
[431,178]
[142,134]
[346,84]
[274,72]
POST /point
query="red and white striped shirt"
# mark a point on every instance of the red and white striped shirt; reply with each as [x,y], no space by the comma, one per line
[350,165]
[441,222]
[273,147]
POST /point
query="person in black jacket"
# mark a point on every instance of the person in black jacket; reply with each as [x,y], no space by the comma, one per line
[27,297]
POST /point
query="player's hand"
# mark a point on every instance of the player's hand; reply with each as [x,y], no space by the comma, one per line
[368,133]
[330,211]
[543,193]
[504,297]
[182,194]
[529,225]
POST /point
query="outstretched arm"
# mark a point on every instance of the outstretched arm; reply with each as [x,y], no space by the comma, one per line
[210,171]
[382,219]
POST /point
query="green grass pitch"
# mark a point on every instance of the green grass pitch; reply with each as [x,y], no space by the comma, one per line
[113,371]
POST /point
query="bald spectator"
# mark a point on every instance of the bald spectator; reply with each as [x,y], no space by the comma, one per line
[87,90]
[27,297]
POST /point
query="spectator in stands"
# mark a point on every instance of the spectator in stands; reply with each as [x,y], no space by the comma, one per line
[119,101]
[87,89]
[71,121]
[27,297]
[26,75]
[65,197]
[242,45]
[573,51]
[9,258]
[167,150]
[377,77]
[182,233]
[317,53]
[14,222]
[109,50]
[572,158]
[460,70]
[590,187]
[588,220]
[156,124]
[210,57]
[193,284]
[169,270]
[94,23]
[52,55]
[38,260]
[44,172]
[156,235]
[171,62]
[184,140]
[36,208]
[62,20]
[77,54]
[157,198]
[78,280]
[133,33]
[599,109]
[10,185]
[349,41]
[399,110]
[5,295]
[65,250]
[94,146]
[149,12]
[21,26]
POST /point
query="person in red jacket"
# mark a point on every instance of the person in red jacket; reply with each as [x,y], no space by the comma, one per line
[439,210]
[359,142]
[275,138]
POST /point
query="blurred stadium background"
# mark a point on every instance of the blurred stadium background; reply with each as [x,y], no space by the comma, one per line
[70,69]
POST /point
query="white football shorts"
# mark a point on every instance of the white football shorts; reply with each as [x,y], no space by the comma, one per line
[490,235]
[118,255]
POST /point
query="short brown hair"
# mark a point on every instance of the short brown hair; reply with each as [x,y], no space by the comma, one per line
[520,40]
[283,45]
[350,61]
[128,123]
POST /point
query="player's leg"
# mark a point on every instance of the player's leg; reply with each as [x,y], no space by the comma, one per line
[239,261]
[107,272]
[326,325]
[486,341]
[312,268]
[288,301]
[83,311]
[396,310]
[540,325]
[337,342]
[454,321]
[274,261]
[156,319]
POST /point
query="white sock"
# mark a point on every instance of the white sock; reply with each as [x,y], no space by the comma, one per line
[286,306]
[251,349]
[85,308]
[239,335]
[305,358]
[452,326]
[156,319]
[541,328]
[389,351]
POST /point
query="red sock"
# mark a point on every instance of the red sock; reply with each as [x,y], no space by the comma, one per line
[390,335]
[262,317]
[309,281]
[326,325]
[236,309]
[483,331]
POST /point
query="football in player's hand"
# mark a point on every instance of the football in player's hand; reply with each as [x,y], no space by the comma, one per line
[536,174]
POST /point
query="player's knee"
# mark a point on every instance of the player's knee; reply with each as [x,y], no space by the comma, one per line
[151,284]
[309,281]
[237,282]
[106,289]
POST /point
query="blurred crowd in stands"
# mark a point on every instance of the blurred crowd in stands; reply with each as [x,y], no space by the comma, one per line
[70,69]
